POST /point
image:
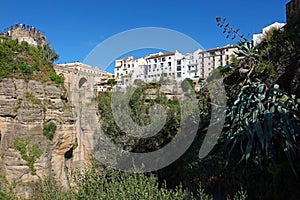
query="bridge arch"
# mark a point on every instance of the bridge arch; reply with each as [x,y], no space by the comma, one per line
[82,81]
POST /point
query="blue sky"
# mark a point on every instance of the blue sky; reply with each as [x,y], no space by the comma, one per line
[75,27]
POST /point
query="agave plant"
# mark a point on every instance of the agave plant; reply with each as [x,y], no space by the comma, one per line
[247,50]
[261,123]
[248,55]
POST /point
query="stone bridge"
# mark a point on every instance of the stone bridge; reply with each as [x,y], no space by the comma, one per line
[79,82]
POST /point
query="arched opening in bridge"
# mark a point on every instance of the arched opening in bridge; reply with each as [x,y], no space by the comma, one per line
[81,82]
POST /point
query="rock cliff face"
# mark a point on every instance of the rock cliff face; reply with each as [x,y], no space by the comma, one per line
[26,155]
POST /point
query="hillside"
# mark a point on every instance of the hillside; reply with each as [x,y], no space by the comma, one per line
[21,60]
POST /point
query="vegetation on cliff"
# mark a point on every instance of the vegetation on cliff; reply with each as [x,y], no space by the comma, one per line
[21,60]
[29,153]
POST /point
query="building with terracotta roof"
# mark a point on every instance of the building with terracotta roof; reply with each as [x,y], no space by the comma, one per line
[171,66]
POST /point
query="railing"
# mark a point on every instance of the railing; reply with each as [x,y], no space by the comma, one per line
[24,27]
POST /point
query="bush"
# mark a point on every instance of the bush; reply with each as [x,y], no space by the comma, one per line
[56,78]
[28,153]
[49,130]
[113,185]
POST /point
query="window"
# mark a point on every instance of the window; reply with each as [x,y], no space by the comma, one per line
[178,62]
[155,60]
[163,59]
[169,64]
[178,68]
[179,74]
[169,58]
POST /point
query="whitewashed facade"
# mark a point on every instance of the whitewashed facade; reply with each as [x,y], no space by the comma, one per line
[258,38]
[172,66]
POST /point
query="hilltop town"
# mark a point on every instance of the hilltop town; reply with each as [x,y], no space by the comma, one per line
[62,132]
[171,66]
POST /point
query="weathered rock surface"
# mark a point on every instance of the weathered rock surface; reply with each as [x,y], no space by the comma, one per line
[24,109]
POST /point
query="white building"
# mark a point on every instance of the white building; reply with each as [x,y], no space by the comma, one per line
[258,38]
[128,69]
[172,66]
[161,66]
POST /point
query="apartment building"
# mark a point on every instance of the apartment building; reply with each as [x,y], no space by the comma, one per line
[208,60]
[172,66]
[161,66]
[128,69]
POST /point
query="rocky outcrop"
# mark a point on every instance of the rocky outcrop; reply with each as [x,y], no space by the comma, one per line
[25,108]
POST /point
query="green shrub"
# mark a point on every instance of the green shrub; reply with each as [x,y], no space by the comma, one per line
[56,78]
[113,185]
[28,153]
[75,145]
[49,190]
[32,98]
[116,185]
[4,195]
[265,67]
[49,130]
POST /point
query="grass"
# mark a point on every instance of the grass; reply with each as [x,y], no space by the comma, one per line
[32,98]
